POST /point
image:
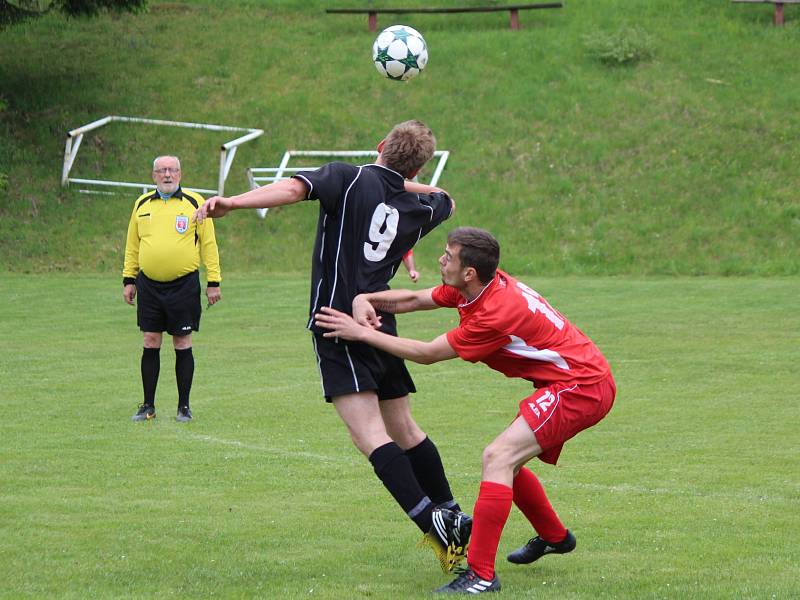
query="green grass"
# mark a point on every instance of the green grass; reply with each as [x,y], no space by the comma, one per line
[688,489]
[683,164]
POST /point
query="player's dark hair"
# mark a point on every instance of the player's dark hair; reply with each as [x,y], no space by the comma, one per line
[408,147]
[479,250]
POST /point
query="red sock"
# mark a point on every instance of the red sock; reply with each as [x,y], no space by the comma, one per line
[530,498]
[489,518]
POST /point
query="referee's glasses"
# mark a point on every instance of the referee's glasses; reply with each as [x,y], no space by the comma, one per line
[166,170]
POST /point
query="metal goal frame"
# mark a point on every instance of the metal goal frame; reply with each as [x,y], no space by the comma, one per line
[227,151]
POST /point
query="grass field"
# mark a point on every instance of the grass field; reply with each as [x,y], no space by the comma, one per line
[683,164]
[689,489]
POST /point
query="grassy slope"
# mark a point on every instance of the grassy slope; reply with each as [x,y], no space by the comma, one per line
[685,164]
[687,490]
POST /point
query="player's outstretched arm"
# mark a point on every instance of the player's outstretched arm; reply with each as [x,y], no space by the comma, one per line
[391,301]
[344,326]
[280,193]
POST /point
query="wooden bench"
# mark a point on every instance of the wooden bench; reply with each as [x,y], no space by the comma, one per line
[778,20]
[513,9]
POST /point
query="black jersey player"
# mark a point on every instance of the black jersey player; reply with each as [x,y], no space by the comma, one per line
[369,217]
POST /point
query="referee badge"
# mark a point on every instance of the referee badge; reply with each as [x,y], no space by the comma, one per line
[181,223]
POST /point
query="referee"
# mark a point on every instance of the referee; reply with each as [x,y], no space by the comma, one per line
[162,257]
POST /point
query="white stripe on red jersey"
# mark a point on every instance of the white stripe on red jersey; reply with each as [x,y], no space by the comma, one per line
[513,329]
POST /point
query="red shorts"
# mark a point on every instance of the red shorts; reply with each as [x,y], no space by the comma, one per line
[560,411]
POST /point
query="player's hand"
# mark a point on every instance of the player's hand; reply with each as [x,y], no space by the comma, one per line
[215,207]
[364,313]
[129,293]
[413,275]
[214,294]
[340,324]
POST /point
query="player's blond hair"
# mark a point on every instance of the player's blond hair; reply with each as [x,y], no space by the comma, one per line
[408,147]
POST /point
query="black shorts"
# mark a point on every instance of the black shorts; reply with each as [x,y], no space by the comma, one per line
[173,306]
[348,367]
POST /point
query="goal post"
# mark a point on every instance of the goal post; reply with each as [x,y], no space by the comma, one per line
[227,151]
[258,176]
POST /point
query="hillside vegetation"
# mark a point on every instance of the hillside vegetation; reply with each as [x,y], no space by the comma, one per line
[683,162]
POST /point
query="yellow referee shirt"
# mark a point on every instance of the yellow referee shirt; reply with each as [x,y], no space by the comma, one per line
[163,241]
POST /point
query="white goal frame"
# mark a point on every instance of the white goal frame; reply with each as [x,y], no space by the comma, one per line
[258,176]
[227,152]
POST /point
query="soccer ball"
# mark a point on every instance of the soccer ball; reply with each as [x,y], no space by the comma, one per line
[400,52]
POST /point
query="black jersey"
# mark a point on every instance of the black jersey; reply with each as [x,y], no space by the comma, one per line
[367,222]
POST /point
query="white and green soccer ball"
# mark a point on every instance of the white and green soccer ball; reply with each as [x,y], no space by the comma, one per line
[400,52]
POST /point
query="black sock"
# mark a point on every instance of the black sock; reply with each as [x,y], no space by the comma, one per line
[394,469]
[429,471]
[184,373]
[151,365]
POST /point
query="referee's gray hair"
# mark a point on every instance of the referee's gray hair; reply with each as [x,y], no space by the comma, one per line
[158,158]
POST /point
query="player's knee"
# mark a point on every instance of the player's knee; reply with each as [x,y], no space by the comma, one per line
[498,456]
[365,448]
[408,435]
[367,442]
[492,456]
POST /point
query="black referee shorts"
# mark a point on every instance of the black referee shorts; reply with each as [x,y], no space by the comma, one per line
[348,367]
[172,306]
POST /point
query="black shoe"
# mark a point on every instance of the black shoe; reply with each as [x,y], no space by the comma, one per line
[469,583]
[537,548]
[449,537]
[184,414]
[145,413]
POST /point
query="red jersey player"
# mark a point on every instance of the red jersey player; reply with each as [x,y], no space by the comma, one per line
[512,329]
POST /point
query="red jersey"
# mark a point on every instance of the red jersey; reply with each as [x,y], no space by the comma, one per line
[514,330]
